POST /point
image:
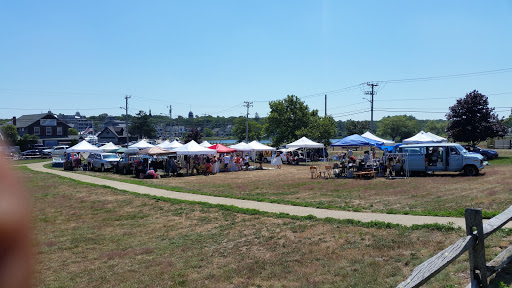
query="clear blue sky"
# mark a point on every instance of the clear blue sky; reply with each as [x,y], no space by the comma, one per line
[210,56]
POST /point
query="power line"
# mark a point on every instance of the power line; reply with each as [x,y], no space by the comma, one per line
[442,77]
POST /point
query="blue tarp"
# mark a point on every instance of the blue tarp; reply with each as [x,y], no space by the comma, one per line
[356,140]
[389,148]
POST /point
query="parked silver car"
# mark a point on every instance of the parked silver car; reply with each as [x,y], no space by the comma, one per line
[102,161]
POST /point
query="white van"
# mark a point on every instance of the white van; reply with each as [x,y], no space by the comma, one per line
[431,157]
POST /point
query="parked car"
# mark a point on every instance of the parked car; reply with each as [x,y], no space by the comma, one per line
[102,161]
[432,157]
[126,164]
[57,150]
[36,153]
[487,153]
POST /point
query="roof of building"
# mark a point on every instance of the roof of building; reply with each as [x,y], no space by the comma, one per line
[27,120]
[117,131]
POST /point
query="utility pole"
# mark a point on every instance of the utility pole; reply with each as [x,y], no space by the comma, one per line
[373,92]
[126,119]
[170,121]
[325,105]
[247,104]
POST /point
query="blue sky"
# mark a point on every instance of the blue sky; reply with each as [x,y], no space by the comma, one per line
[211,56]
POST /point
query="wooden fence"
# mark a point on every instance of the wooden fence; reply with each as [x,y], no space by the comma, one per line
[474,243]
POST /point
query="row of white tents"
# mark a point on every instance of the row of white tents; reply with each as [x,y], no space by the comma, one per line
[193,148]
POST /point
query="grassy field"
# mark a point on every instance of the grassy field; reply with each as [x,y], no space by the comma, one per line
[89,236]
[442,194]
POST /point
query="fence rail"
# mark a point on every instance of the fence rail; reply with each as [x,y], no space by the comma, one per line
[474,243]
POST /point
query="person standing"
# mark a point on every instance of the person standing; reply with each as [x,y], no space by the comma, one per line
[277,161]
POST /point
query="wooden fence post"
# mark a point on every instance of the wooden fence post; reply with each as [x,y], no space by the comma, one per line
[477,252]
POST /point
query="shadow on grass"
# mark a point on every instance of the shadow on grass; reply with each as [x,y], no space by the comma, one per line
[503,278]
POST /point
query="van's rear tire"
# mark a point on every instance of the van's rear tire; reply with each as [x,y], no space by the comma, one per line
[471,170]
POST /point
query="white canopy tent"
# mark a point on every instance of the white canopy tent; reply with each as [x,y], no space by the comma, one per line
[205,144]
[242,147]
[84,147]
[109,147]
[169,145]
[260,147]
[304,143]
[435,137]
[192,148]
[423,137]
[369,135]
[142,144]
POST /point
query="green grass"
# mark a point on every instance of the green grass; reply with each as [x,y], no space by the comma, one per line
[501,160]
[29,161]
[248,211]
[103,236]
[318,204]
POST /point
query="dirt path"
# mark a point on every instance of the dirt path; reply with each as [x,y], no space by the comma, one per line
[407,220]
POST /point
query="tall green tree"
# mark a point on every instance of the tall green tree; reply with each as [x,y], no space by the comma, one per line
[472,120]
[357,127]
[10,134]
[290,119]
[398,127]
[240,128]
[436,127]
[142,126]
[320,129]
[286,117]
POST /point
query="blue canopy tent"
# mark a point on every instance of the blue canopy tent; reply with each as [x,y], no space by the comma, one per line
[357,140]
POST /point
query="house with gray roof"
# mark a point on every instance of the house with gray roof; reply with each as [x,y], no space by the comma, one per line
[50,130]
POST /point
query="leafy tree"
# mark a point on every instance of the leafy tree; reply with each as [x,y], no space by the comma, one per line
[97,121]
[321,129]
[286,117]
[508,121]
[10,134]
[436,127]
[72,131]
[240,128]
[398,127]
[472,120]
[208,132]
[357,127]
[194,134]
[26,140]
[142,126]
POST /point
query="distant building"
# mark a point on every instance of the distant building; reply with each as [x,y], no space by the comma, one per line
[112,122]
[116,135]
[76,121]
[190,114]
[50,129]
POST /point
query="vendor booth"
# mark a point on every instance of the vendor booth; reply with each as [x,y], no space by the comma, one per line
[305,143]
[192,148]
